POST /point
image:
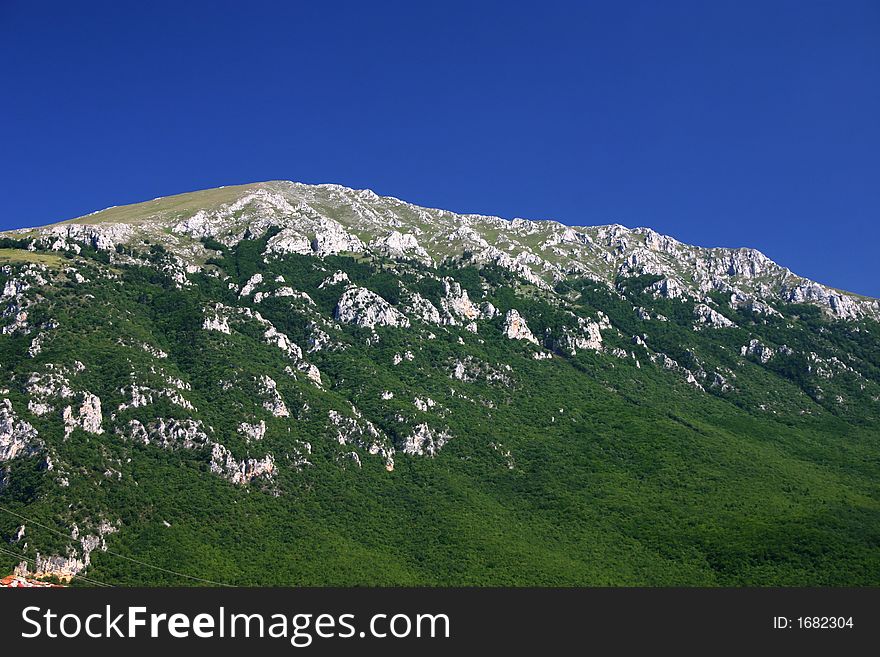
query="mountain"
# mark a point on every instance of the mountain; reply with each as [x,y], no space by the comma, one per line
[280,383]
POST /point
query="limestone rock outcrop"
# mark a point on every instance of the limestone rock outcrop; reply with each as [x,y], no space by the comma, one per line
[362,307]
[516,328]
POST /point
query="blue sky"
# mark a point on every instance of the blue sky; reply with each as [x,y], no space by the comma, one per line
[720,123]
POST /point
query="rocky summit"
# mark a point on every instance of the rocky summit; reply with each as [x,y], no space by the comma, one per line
[281,383]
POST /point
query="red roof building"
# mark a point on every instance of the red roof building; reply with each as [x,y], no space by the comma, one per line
[18,582]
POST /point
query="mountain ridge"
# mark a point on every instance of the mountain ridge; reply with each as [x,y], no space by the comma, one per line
[604,252]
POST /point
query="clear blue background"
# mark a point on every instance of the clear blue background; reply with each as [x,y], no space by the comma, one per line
[720,123]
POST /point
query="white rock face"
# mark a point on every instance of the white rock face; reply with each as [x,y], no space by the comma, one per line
[13,288]
[67,567]
[36,346]
[45,388]
[312,373]
[318,339]
[516,328]
[240,472]
[399,245]
[275,337]
[670,364]
[336,278]
[190,434]
[252,432]
[256,208]
[103,236]
[17,303]
[64,568]
[740,300]
[837,304]
[456,305]
[90,414]
[89,417]
[19,323]
[706,316]
[138,395]
[168,433]
[398,359]
[331,238]
[668,288]
[362,307]
[469,369]
[361,433]
[17,437]
[588,335]
[144,396]
[217,322]
[289,240]
[422,309]
[755,348]
[252,283]
[424,404]
[354,457]
[217,318]
[423,441]
[288,291]
[272,398]
[720,382]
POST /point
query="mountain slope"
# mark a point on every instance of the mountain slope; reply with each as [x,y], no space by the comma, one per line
[289,384]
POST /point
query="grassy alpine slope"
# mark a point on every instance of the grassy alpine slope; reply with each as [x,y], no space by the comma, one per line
[743,450]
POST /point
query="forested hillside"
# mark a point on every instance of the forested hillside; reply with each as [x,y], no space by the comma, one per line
[284,397]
